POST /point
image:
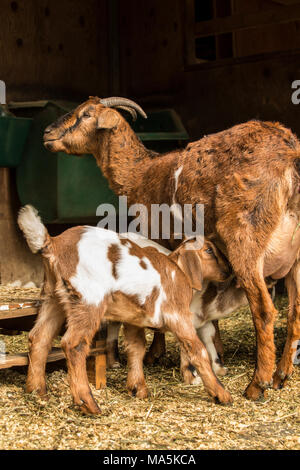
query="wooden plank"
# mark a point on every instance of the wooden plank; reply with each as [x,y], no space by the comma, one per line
[19,312]
[21,359]
[244,21]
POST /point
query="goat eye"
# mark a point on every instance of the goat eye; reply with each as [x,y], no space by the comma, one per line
[209,251]
[85,115]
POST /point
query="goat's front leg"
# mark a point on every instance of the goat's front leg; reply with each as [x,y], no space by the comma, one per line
[157,349]
[263,313]
[285,366]
[207,335]
[195,353]
[49,322]
[135,344]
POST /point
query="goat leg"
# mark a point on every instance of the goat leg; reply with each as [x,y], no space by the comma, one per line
[157,349]
[263,314]
[83,322]
[49,322]
[285,366]
[196,354]
[112,350]
[135,344]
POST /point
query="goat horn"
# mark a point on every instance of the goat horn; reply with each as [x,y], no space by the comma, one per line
[116,101]
[129,110]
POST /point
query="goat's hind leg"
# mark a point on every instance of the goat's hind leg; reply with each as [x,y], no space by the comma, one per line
[83,322]
[157,349]
[112,350]
[49,322]
[135,344]
[263,314]
[285,365]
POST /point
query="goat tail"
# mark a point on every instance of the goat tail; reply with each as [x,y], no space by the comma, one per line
[33,228]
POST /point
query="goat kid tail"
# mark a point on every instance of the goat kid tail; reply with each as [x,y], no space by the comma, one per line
[33,228]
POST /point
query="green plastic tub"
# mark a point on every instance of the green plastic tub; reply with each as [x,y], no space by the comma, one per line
[13,135]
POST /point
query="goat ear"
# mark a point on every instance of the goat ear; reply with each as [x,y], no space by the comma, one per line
[190,263]
[107,119]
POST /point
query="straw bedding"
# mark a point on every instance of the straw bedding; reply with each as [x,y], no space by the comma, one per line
[175,416]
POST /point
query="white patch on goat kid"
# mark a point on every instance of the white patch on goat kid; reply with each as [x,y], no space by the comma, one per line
[94,279]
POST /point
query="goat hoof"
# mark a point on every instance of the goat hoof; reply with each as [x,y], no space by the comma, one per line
[88,411]
[40,391]
[280,379]
[223,398]
[89,408]
[254,393]
[265,385]
[138,392]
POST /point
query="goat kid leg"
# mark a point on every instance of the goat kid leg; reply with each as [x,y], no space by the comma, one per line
[112,350]
[207,334]
[157,349]
[49,322]
[197,355]
[285,365]
[135,344]
[218,343]
[263,314]
[83,323]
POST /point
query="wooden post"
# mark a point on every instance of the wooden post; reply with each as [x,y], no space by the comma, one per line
[16,260]
[96,363]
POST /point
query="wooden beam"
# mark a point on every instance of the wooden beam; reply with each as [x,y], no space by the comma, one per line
[21,359]
[19,312]
[244,21]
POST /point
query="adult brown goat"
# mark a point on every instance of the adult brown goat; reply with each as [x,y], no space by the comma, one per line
[248,180]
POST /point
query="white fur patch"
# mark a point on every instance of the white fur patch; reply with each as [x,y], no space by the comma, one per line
[31,225]
[94,278]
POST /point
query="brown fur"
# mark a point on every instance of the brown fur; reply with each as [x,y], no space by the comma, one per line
[246,176]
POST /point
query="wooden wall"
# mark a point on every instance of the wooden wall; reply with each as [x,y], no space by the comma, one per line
[210,97]
[61,49]
[53,48]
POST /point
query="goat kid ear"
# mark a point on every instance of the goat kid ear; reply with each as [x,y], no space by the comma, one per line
[107,119]
[190,263]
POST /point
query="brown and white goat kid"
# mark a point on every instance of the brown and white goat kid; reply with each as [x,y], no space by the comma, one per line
[92,274]
[213,302]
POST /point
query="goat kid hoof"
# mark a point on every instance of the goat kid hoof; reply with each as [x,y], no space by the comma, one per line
[280,380]
[115,365]
[266,385]
[138,392]
[221,371]
[88,411]
[224,399]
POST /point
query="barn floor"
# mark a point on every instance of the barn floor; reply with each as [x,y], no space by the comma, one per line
[174,417]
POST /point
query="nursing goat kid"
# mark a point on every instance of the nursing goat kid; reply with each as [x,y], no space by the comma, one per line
[214,301]
[93,274]
[248,179]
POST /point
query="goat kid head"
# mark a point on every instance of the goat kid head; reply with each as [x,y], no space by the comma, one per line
[76,132]
[203,264]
